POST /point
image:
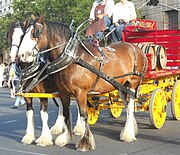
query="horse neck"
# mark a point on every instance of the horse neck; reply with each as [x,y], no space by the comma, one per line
[57,34]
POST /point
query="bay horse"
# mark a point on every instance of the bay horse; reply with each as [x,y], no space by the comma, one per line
[80,71]
[15,34]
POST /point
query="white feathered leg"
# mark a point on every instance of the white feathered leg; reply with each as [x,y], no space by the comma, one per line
[78,129]
[57,128]
[29,137]
[65,137]
[46,138]
[130,130]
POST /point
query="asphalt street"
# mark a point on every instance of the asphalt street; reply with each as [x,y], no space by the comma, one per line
[150,141]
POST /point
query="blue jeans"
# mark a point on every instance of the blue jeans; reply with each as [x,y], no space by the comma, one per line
[117,33]
[107,23]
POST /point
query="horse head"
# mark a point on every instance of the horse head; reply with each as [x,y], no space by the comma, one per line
[25,52]
[14,37]
[42,35]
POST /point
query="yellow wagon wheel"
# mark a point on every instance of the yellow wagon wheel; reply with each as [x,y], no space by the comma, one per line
[115,110]
[158,106]
[175,105]
[93,115]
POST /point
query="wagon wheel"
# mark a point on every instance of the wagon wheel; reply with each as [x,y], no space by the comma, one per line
[158,105]
[175,105]
[115,110]
[93,115]
[93,112]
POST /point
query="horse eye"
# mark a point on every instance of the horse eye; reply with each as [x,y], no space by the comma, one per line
[22,55]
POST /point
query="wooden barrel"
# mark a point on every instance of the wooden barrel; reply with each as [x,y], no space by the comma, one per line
[161,55]
[148,49]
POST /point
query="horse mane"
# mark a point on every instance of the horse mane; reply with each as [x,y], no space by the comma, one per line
[56,28]
[10,32]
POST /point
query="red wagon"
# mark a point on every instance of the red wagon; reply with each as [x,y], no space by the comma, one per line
[161,85]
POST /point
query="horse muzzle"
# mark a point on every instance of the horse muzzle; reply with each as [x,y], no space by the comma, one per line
[27,57]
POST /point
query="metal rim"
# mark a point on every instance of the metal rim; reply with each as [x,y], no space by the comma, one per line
[175,105]
[158,108]
[115,110]
[92,116]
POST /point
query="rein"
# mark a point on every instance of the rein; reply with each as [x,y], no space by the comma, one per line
[50,49]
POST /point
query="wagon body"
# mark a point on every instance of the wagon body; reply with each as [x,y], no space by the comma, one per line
[160,85]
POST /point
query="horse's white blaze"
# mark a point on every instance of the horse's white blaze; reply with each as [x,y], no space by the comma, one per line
[26,48]
[16,38]
[130,129]
[30,134]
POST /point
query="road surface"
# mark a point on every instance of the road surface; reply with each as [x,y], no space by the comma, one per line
[164,141]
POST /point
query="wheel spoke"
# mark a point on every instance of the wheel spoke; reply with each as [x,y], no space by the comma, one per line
[158,108]
[175,105]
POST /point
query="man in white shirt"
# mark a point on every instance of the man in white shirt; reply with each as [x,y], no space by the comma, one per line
[124,12]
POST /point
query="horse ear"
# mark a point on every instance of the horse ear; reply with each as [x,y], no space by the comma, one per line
[41,19]
[26,23]
[33,17]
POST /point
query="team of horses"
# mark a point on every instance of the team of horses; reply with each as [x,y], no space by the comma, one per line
[14,36]
[74,66]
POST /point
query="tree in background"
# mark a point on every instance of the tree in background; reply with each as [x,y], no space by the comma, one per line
[53,10]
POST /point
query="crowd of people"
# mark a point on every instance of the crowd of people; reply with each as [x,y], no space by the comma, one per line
[11,79]
[4,74]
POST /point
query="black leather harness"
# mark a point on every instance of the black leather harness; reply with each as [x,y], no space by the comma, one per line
[69,56]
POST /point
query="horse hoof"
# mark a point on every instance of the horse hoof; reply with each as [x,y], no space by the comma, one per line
[63,139]
[128,140]
[85,145]
[56,130]
[28,139]
[44,141]
[78,130]
[127,136]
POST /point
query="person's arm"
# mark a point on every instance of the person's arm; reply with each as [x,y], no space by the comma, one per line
[132,14]
[92,12]
[110,8]
[115,15]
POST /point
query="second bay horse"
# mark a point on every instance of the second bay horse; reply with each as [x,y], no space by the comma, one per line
[126,67]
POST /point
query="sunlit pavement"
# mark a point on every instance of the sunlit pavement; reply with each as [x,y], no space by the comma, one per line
[164,141]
